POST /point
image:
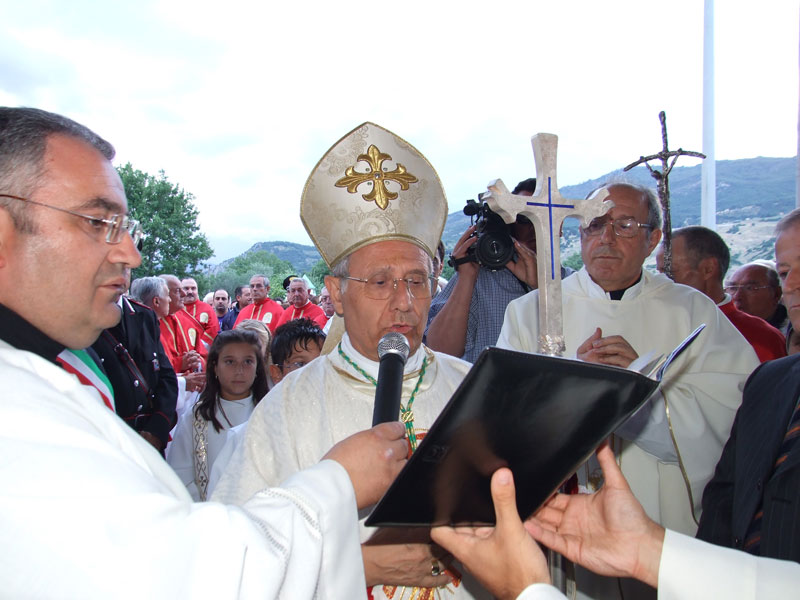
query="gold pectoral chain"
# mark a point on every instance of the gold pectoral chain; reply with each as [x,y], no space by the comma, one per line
[406,416]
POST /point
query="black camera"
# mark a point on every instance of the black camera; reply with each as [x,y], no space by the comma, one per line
[494,247]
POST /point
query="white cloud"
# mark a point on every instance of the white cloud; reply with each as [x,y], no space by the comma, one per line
[238,103]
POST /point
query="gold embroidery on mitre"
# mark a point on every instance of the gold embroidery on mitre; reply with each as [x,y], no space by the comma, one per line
[380,194]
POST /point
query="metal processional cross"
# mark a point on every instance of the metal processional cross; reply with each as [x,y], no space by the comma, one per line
[662,179]
[547,209]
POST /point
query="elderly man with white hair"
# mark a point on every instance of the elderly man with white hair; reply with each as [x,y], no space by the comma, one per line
[375,209]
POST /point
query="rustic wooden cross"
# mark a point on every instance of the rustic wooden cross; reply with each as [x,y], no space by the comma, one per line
[547,209]
[662,180]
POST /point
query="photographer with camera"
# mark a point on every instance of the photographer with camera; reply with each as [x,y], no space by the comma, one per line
[495,263]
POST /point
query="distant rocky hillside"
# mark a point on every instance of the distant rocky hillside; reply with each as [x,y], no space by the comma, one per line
[752,194]
[301,256]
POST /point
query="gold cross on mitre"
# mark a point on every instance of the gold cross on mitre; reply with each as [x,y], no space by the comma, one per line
[547,209]
[377,176]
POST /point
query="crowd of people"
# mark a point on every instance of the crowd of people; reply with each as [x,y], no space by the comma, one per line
[222,447]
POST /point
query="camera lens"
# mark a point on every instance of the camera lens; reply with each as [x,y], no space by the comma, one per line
[494,249]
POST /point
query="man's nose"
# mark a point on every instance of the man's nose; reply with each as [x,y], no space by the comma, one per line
[608,235]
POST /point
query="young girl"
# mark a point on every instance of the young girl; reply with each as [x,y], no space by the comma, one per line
[235,381]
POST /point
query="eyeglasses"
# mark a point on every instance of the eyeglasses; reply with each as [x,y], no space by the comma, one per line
[745,287]
[625,228]
[292,366]
[380,287]
[115,226]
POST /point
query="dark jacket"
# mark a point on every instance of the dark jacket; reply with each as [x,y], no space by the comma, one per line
[744,474]
[139,333]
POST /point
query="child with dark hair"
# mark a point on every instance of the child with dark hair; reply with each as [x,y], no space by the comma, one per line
[294,345]
[236,379]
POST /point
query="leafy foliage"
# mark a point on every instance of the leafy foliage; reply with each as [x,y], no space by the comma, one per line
[173,242]
[317,274]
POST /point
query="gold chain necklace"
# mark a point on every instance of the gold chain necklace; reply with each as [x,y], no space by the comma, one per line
[406,416]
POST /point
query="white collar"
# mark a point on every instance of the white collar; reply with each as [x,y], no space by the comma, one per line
[414,362]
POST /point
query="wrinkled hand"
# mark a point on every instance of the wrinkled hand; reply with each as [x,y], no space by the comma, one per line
[372,458]
[503,558]
[525,267]
[404,564]
[607,532]
[190,361]
[195,382]
[612,350]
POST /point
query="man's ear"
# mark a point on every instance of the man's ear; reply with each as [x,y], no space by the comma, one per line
[655,238]
[709,268]
[7,232]
[275,373]
[334,289]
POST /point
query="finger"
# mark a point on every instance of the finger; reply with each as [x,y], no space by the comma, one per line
[451,540]
[505,501]
[608,463]
[546,536]
[392,430]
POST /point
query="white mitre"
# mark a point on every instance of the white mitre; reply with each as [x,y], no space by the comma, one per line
[372,186]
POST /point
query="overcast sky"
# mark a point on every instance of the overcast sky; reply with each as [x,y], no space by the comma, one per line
[238,102]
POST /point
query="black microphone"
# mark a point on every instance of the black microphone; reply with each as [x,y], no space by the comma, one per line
[393,351]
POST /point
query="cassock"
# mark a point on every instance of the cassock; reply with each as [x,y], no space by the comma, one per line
[309,311]
[204,314]
[268,312]
[180,332]
[315,407]
[703,387]
[90,510]
[694,570]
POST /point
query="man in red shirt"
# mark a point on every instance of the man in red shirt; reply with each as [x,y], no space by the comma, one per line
[263,308]
[181,334]
[300,306]
[700,259]
[201,311]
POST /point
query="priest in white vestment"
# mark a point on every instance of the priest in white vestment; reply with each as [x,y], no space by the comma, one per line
[88,508]
[375,209]
[613,311]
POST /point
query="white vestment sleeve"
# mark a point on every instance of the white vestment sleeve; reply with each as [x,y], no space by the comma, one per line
[691,568]
[89,509]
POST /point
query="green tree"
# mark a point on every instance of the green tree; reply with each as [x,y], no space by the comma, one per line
[318,273]
[173,242]
[242,268]
[573,262]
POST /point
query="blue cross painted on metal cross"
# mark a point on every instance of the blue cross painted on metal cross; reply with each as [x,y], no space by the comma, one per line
[550,207]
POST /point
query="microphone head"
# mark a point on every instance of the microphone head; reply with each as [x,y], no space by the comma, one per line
[394,343]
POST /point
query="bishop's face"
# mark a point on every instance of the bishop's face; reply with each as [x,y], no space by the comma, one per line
[367,320]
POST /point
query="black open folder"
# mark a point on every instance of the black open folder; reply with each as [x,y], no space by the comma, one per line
[540,416]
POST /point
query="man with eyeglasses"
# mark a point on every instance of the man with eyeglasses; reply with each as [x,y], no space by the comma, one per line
[375,209]
[615,311]
[88,508]
[300,307]
[756,290]
[700,259]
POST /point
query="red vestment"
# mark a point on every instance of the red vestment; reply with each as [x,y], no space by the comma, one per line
[309,311]
[767,341]
[179,334]
[205,315]
[268,312]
